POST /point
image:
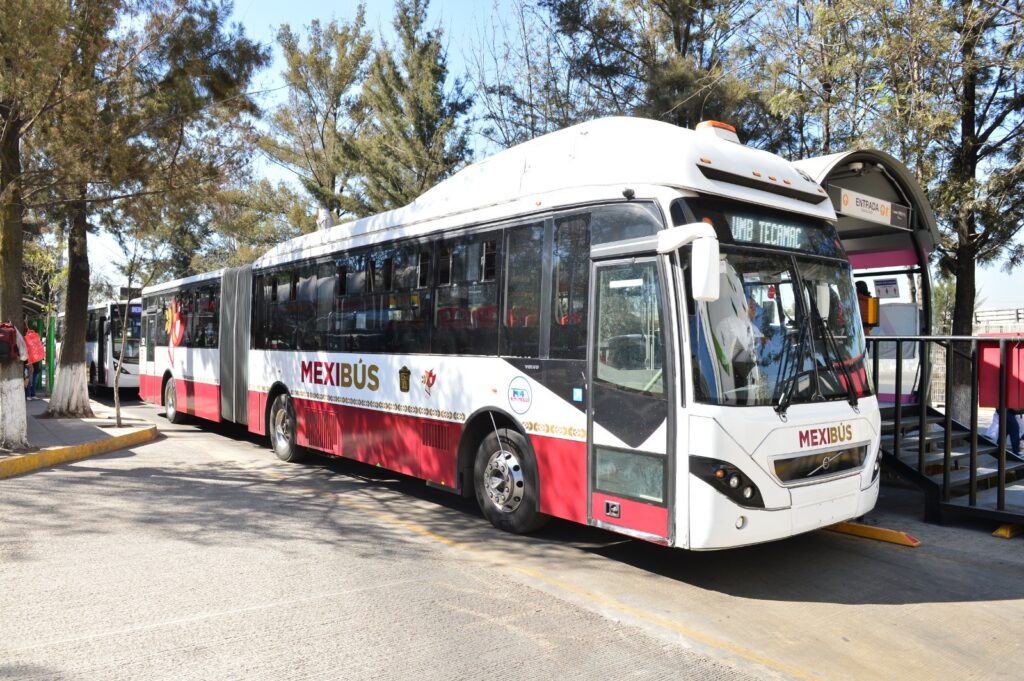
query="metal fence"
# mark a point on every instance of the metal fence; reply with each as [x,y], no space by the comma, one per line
[937,355]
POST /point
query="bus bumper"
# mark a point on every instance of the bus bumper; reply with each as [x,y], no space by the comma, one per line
[721,523]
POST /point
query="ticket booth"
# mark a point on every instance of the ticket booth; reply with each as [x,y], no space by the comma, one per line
[888,229]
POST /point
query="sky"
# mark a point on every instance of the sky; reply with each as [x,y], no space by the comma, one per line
[463,22]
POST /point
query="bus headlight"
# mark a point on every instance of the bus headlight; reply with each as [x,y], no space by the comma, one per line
[727,479]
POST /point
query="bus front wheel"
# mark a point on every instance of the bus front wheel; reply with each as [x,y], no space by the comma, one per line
[505,476]
[171,403]
[282,429]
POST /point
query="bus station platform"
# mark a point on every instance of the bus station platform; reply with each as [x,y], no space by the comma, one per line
[57,441]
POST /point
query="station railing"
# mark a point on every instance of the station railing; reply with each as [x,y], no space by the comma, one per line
[917,405]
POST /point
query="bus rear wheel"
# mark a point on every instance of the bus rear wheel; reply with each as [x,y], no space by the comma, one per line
[282,429]
[171,403]
[505,477]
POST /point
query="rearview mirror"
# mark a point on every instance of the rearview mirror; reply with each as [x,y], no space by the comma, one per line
[822,299]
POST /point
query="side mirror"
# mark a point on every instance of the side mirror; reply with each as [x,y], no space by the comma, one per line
[704,276]
[704,259]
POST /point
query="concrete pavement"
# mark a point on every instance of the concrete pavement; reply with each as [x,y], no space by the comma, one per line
[57,441]
[202,556]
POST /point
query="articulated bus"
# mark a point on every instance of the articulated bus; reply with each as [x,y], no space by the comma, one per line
[626,324]
[104,333]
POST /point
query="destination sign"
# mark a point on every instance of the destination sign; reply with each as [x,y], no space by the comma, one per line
[782,232]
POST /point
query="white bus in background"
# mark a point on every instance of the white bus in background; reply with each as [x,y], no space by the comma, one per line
[104,333]
[626,324]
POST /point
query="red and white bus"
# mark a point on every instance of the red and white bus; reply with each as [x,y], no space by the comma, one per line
[628,324]
[104,334]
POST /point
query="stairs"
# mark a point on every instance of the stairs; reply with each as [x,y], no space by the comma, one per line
[932,476]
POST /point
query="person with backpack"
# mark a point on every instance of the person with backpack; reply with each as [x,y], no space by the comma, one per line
[12,345]
[34,354]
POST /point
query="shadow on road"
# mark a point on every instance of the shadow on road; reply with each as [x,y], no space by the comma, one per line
[204,501]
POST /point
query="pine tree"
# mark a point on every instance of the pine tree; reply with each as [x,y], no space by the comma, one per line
[306,131]
[414,135]
[164,88]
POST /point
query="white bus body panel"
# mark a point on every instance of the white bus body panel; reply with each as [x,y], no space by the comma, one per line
[751,438]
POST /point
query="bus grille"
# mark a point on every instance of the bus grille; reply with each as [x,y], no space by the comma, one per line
[320,429]
[799,469]
[435,435]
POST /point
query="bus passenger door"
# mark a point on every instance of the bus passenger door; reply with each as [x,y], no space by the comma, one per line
[628,410]
[101,350]
[147,352]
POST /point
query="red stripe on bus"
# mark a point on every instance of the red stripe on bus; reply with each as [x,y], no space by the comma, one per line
[427,449]
[149,389]
[633,515]
[256,409]
[198,399]
[562,468]
[415,446]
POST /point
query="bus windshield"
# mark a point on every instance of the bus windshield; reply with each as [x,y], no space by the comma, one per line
[131,346]
[785,329]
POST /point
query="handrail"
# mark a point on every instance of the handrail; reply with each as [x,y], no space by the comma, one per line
[963,339]
[954,352]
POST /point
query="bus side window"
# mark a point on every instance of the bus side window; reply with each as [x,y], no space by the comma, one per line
[90,328]
[466,316]
[304,307]
[407,327]
[571,263]
[326,284]
[282,332]
[520,322]
[261,310]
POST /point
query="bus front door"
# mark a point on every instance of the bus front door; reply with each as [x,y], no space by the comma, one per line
[101,351]
[628,409]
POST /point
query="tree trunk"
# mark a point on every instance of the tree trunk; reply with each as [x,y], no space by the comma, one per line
[70,396]
[13,424]
[963,172]
[124,341]
[963,325]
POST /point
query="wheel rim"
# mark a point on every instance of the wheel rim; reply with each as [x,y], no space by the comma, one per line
[282,428]
[503,480]
[169,400]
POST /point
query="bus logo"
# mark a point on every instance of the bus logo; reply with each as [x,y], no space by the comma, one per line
[519,396]
[403,379]
[428,379]
[341,374]
[174,324]
[831,435]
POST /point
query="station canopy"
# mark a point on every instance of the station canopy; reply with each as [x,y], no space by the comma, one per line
[885,219]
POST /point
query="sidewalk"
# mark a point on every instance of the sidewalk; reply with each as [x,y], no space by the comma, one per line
[58,441]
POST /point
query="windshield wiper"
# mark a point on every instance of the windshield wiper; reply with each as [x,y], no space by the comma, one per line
[788,383]
[830,342]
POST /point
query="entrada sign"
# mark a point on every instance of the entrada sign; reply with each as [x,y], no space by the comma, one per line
[869,208]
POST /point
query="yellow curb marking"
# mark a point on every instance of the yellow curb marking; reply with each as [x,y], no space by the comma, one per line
[26,463]
[1008,531]
[878,533]
[587,594]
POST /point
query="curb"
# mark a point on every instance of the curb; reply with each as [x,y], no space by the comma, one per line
[26,463]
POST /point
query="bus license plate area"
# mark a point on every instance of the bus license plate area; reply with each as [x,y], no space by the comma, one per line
[824,513]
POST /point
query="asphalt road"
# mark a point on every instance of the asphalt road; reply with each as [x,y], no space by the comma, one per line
[202,556]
